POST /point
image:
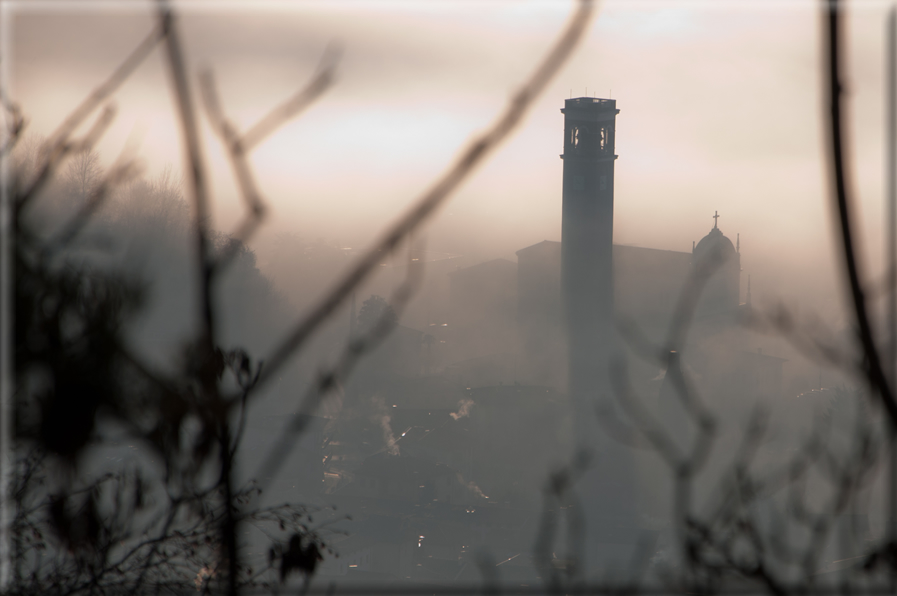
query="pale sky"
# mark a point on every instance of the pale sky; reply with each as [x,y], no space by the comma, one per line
[720,109]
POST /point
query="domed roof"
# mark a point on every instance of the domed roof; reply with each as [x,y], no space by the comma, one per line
[715,243]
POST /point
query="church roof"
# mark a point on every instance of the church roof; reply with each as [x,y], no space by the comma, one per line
[545,247]
[715,243]
[553,248]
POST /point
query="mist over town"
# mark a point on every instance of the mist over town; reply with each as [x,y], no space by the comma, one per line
[627,330]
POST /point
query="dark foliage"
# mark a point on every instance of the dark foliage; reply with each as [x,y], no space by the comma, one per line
[67,337]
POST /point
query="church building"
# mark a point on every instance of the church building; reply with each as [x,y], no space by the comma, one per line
[577,294]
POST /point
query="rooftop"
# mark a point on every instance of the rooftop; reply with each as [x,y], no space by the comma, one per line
[590,104]
[589,101]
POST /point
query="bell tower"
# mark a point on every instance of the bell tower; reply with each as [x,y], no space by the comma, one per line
[607,489]
[587,237]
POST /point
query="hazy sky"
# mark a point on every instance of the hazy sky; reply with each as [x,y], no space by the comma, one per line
[719,110]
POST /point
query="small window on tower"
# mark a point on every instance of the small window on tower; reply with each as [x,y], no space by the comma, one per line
[602,183]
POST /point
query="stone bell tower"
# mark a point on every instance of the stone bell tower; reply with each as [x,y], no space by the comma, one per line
[607,489]
[587,244]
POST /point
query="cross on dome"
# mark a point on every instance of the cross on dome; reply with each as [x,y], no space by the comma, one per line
[715,217]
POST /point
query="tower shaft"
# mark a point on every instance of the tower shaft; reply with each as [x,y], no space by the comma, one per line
[587,247]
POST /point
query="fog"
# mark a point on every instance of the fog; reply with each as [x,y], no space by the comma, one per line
[457,429]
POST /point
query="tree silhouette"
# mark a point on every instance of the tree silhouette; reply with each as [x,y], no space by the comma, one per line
[83,173]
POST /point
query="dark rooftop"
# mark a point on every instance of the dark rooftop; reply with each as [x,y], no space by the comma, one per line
[590,103]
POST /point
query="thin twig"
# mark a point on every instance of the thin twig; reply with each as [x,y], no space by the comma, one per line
[321,81]
[875,373]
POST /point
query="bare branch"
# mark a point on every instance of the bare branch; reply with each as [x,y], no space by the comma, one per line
[90,139]
[198,182]
[109,86]
[238,147]
[242,172]
[321,81]
[205,345]
[875,372]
